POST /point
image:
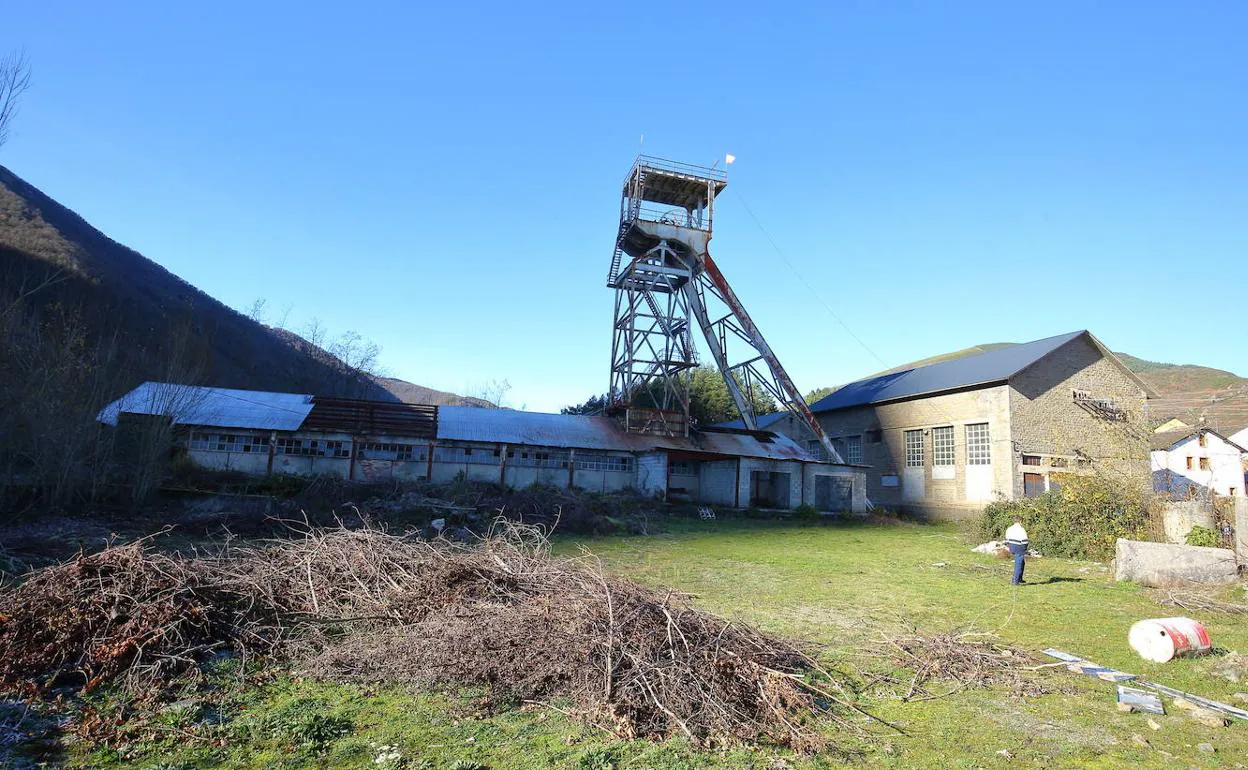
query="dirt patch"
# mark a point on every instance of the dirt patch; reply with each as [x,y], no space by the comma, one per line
[1011,714]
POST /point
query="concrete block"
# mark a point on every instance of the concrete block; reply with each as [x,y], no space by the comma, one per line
[1160,564]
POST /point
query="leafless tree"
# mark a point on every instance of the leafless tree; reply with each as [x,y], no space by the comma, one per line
[283,319]
[493,391]
[316,333]
[358,355]
[14,80]
[257,310]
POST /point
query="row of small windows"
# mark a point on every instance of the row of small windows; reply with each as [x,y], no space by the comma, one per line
[313,447]
[978,446]
[305,447]
[230,442]
[534,458]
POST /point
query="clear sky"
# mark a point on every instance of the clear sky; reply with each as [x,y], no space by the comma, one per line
[444,177]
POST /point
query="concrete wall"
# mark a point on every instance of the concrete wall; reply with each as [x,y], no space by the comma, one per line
[939,492]
[790,469]
[856,477]
[652,472]
[1241,530]
[1047,422]
[1178,518]
[1225,475]
[716,482]
[682,480]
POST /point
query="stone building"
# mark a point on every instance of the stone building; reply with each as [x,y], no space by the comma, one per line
[945,438]
[289,433]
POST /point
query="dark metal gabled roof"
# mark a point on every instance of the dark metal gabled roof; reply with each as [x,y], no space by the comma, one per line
[979,370]
[764,421]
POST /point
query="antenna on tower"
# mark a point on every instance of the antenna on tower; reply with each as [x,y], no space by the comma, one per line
[664,280]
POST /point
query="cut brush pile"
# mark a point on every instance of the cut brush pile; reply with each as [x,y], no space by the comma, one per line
[366,605]
[926,666]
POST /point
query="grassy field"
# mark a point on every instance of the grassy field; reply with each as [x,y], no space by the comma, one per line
[846,587]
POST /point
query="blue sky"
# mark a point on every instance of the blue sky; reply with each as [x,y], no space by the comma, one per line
[443,178]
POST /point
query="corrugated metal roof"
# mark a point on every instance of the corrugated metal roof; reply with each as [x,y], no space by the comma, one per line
[226,408]
[214,407]
[763,421]
[507,426]
[574,431]
[980,369]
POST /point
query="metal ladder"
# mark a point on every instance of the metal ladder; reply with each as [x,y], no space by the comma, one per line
[634,211]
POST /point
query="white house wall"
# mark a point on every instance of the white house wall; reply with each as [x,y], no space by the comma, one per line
[1225,475]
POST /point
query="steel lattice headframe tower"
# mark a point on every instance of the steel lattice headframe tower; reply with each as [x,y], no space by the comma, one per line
[663,277]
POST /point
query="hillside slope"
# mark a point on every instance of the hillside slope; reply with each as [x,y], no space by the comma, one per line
[119,293]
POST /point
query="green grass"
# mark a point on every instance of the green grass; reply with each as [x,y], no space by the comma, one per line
[842,586]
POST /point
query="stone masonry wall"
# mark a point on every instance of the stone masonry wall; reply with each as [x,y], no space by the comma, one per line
[1048,422]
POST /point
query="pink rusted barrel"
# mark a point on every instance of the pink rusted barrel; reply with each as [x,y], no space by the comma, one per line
[1164,639]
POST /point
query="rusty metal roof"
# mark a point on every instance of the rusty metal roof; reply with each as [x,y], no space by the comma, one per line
[360,417]
[574,431]
[215,407]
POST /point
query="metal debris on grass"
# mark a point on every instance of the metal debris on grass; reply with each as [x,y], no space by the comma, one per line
[1135,699]
[1080,666]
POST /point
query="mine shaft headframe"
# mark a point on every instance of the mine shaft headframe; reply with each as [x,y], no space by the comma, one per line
[663,192]
[662,273]
[681,194]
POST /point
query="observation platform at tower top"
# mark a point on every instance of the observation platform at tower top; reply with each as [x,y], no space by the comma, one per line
[670,183]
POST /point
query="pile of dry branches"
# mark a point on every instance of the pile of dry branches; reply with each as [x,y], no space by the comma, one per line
[958,661]
[367,605]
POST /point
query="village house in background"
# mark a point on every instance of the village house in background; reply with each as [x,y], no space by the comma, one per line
[1196,463]
[288,433]
[945,438]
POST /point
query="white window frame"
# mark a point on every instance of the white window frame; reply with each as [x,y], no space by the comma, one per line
[915,446]
[978,443]
[944,454]
[853,450]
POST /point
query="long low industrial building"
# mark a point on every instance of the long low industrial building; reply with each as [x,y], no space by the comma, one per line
[261,433]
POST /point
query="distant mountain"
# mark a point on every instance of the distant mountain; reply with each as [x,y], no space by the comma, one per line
[1197,395]
[149,313]
[419,394]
